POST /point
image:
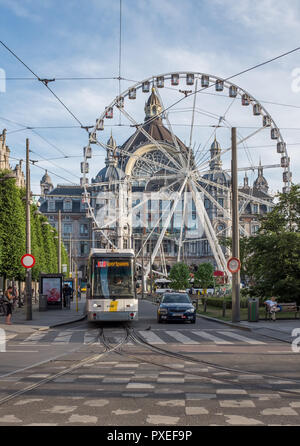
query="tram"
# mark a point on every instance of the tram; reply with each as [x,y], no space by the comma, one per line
[111,290]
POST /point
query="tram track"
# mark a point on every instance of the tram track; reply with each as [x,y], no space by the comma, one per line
[138,340]
[129,334]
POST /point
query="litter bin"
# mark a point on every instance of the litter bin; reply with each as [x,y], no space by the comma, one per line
[43,302]
[253,305]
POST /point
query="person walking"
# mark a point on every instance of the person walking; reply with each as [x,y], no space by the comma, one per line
[8,303]
[67,291]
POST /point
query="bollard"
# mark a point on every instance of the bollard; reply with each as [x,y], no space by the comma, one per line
[205,304]
[224,308]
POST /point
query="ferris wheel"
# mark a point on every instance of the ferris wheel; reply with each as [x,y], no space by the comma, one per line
[182,147]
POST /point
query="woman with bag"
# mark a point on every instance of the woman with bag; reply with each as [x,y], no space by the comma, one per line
[8,302]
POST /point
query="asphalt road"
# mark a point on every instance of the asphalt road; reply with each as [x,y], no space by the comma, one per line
[150,374]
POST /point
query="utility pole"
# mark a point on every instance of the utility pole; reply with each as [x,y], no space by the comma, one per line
[70,255]
[143,280]
[235,229]
[28,238]
[59,242]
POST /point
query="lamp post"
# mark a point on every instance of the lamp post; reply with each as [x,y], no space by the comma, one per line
[235,230]
[28,238]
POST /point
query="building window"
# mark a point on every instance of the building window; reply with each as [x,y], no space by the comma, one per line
[84,229]
[68,229]
[68,205]
[255,209]
[51,206]
[254,229]
[84,249]
[221,201]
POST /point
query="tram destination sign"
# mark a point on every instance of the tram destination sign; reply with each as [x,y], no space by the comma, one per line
[106,264]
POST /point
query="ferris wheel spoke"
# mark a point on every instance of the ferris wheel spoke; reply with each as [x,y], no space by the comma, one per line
[228,189]
[140,127]
[138,157]
[240,141]
[221,208]
[174,139]
[209,231]
[164,213]
[182,228]
[166,224]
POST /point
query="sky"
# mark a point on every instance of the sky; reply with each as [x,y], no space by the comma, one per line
[75,38]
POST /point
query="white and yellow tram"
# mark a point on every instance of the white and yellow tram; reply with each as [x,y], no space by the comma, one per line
[111,290]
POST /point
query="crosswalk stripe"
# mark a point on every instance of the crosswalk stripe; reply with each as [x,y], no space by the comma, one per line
[181,338]
[210,337]
[34,338]
[151,337]
[63,337]
[239,337]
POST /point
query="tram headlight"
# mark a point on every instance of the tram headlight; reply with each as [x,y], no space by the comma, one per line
[95,305]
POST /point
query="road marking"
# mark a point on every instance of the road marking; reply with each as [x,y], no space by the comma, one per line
[231,334]
[34,338]
[152,338]
[181,338]
[210,337]
[63,337]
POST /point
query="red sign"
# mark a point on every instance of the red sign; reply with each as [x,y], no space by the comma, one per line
[234,265]
[218,273]
[28,261]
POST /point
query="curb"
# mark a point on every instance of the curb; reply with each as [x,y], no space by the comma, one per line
[64,323]
[230,324]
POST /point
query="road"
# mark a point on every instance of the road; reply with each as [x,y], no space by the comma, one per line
[150,374]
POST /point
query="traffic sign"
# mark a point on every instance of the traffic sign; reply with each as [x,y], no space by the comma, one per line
[234,265]
[28,261]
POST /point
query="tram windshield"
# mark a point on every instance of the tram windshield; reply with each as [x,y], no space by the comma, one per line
[112,278]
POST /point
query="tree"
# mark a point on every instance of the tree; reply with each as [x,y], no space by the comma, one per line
[272,257]
[204,276]
[12,229]
[179,276]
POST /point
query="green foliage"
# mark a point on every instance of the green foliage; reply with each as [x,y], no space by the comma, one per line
[179,276]
[12,229]
[13,235]
[204,276]
[218,302]
[273,255]
[285,216]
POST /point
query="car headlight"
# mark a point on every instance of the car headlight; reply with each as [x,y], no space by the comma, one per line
[162,310]
[190,310]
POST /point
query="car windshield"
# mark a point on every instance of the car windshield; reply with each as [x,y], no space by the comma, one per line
[176,299]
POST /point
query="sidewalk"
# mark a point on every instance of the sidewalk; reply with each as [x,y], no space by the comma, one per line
[279,329]
[43,320]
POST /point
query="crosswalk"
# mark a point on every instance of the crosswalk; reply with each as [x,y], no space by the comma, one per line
[155,337]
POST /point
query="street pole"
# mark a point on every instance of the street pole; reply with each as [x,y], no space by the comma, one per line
[235,229]
[59,242]
[28,238]
[76,286]
[143,283]
[70,255]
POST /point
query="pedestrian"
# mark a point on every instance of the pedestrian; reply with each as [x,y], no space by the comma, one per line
[8,304]
[67,291]
[79,292]
[272,306]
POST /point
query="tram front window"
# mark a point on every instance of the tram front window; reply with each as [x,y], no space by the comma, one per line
[112,278]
